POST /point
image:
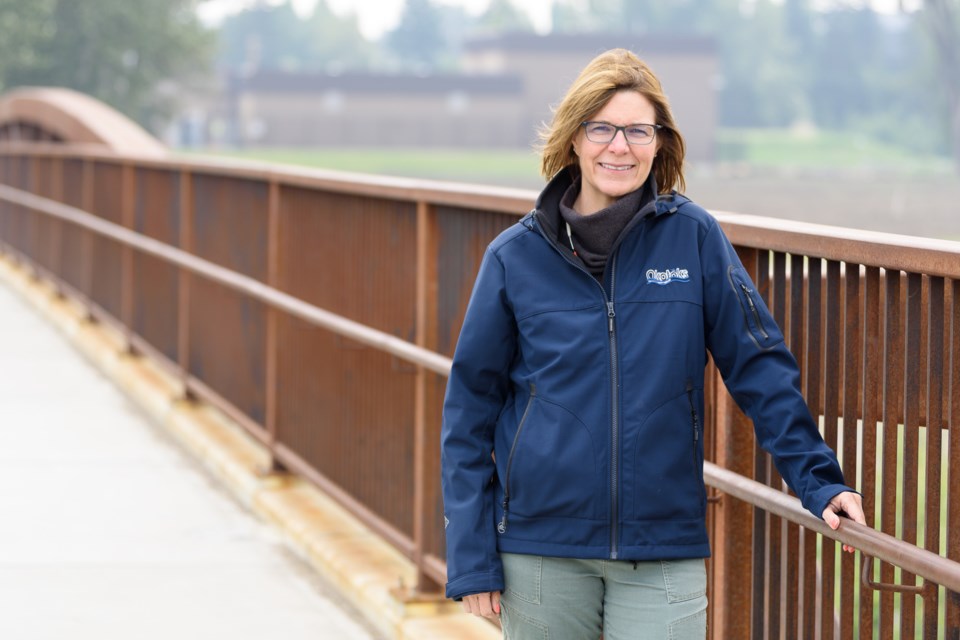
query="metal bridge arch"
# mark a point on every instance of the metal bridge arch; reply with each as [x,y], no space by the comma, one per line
[60,115]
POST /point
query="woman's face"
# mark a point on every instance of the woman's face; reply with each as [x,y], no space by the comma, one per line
[616,168]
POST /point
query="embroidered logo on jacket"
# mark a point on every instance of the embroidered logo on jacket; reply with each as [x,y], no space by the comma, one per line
[667,276]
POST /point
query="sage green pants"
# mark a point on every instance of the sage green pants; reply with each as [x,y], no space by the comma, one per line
[569,599]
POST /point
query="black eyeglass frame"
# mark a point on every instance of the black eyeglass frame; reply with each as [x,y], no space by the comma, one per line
[623,128]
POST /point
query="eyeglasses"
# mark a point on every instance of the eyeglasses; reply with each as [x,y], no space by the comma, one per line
[604,132]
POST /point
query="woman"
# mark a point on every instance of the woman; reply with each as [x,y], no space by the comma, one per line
[572,439]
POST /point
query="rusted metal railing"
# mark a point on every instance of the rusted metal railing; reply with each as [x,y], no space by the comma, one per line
[320,311]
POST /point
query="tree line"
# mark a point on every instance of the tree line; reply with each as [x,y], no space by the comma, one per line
[892,77]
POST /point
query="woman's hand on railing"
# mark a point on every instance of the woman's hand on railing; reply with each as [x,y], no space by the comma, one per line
[848,503]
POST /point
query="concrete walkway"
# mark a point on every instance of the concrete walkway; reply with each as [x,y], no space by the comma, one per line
[109,531]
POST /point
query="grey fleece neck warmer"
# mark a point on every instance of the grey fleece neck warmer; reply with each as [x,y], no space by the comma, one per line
[594,235]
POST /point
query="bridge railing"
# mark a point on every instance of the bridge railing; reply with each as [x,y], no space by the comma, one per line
[320,310]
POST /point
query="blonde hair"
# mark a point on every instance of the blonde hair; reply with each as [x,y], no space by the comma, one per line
[610,72]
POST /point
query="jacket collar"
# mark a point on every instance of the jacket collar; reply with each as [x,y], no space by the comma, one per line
[547,208]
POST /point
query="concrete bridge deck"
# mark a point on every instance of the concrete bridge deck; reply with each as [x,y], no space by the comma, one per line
[127,511]
[108,530]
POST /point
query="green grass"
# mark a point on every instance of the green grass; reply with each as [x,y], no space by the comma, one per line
[818,149]
[482,166]
[758,149]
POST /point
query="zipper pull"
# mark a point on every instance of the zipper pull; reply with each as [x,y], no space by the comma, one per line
[693,411]
[502,526]
[748,291]
[611,315]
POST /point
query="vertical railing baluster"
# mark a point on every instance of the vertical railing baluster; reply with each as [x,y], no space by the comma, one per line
[850,410]
[911,425]
[953,458]
[813,596]
[935,431]
[871,413]
[892,391]
[782,567]
[796,538]
[832,382]
[759,270]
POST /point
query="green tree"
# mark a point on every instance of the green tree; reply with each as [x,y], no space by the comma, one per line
[334,41]
[941,19]
[418,40]
[764,79]
[116,50]
[262,37]
[267,36]
[503,15]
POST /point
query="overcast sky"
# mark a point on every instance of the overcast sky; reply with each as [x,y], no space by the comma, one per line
[378,16]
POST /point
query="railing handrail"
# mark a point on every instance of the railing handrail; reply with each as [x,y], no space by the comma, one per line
[868,540]
[873,543]
[891,251]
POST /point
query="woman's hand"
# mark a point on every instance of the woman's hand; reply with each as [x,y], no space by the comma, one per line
[848,503]
[485,604]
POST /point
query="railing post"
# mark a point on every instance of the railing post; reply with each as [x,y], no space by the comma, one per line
[271,356]
[86,278]
[427,400]
[731,598]
[56,242]
[732,587]
[32,245]
[127,219]
[183,282]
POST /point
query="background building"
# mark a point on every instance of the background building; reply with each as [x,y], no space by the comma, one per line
[508,85]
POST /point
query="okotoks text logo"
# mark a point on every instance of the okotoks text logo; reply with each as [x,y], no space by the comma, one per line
[667,276]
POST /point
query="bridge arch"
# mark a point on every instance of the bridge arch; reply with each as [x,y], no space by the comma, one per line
[60,115]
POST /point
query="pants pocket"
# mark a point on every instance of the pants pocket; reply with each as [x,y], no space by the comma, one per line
[684,579]
[521,576]
[692,627]
[517,626]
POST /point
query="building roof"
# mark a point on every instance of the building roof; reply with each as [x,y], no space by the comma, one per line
[360,82]
[642,43]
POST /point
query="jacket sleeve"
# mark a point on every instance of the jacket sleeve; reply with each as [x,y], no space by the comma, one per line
[762,375]
[476,393]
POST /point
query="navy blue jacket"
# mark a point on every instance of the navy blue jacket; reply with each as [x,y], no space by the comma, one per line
[590,395]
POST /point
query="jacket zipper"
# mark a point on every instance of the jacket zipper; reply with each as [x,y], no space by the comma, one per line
[696,438]
[753,309]
[502,527]
[614,414]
